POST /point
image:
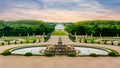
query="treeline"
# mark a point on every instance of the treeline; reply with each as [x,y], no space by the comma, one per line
[95,27]
[24,27]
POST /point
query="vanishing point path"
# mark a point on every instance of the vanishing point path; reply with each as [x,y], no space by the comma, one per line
[59,61]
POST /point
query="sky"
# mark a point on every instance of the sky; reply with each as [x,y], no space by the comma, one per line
[60,10]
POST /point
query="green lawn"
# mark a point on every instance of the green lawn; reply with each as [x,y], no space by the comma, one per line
[103,39]
[59,32]
[18,40]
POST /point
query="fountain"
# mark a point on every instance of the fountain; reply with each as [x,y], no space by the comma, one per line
[60,49]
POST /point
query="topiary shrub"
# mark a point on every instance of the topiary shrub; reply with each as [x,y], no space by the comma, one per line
[119,44]
[7,52]
[80,40]
[39,40]
[34,41]
[28,54]
[46,38]
[49,54]
[98,42]
[93,54]
[8,42]
[92,41]
[72,37]
[27,41]
[3,43]
[112,54]
[71,54]
[105,42]
[112,43]
[21,42]
[85,41]
[15,42]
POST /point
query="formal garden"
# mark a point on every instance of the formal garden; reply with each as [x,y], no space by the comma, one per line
[59,33]
[105,32]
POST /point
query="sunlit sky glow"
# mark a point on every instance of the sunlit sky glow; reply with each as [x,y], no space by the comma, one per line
[60,10]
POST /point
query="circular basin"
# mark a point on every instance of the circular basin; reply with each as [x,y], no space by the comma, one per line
[83,50]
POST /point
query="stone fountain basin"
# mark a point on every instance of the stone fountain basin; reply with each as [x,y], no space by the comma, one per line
[83,50]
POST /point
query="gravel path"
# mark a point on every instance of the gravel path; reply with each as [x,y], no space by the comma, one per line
[59,62]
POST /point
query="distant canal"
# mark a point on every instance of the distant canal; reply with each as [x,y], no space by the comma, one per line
[59,27]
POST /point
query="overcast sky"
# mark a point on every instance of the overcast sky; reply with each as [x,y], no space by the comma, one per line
[60,10]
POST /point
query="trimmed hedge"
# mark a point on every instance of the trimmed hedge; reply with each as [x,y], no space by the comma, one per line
[72,54]
[93,54]
[28,54]
[119,44]
[98,42]
[7,52]
[49,54]
[112,54]
[72,37]
[34,41]
[85,41]
[92,41]
[46,38]
[112,43]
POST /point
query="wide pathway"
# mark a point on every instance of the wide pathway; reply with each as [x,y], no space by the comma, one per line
[58,62]
[55,39]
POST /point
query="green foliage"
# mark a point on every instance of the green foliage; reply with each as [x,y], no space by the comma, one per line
[3,43]
[71,54]
[119,44]
[105,42]
[46,38]
[24,27]
[112,54]
[59,33]
[7,52]
[39,40]
[49,54]
[85,41]
[98,42]
[92,41]
[21,42]
[27,41]
[34,41]
[15,42]
[93,54]
[28,54]
[80,40]
[112,43]
[95,27]
[9,42]
[72,37]
[70,28]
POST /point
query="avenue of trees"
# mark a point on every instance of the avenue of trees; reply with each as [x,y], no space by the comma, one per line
[24,27]
[95,27]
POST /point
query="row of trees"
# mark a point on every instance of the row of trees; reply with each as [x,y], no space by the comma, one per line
[25,27]
[95,27]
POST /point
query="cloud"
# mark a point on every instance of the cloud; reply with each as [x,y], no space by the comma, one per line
[55,10]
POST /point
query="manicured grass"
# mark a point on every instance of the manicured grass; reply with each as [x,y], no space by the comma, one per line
[59,32]
[18,40]
[95,39]
[89,40]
